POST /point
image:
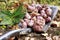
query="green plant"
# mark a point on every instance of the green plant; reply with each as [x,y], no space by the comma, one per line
[3,27]
[12,18]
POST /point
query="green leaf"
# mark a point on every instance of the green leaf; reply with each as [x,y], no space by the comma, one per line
[17,11]
[17,18]
[18,14]
[3,27]
[6,20]
[12,18]
[6,12]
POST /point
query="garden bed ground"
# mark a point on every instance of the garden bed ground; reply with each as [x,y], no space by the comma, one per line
[53,33]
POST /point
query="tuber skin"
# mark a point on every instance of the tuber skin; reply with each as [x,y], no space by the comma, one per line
[24,24]
[27,16]
[38,5]
[39,24]
[42,11]
[49,11]
[34,18]
[37,28]
[48,19]
[31,23]
[36,10]
[40,20]
[44,15]
[31,8]
[26,20]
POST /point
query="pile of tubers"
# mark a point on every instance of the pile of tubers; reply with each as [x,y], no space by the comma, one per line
[36,17]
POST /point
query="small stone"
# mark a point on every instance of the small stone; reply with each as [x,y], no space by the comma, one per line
[48,38]
[45,34]
[27,38]
[32,39]
[1,33]
[11,38]
[30,35]
[56,37]
[58,24]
